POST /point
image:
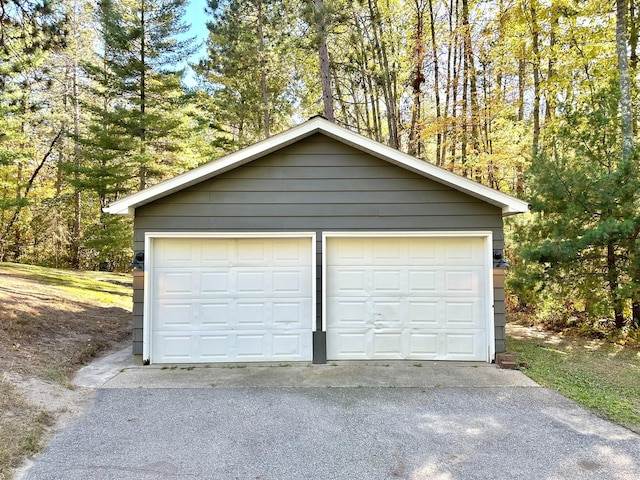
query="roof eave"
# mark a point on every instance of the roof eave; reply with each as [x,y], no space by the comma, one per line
[508,204]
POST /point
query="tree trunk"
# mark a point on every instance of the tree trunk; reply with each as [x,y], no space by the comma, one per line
[471,76]
[387,82]
[323,54]
[522,64]
[626,116]
[633,46]
[436,82]
[266,117]
[143,98]
[550,101]
[451,55]
[627,128]
[417,80]
[465,94]
[535,143]
[613,281]
[76,229]
[457,61]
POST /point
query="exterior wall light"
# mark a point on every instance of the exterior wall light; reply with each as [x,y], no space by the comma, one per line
[498,257]
[138,261]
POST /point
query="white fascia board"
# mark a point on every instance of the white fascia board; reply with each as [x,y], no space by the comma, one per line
[509,205]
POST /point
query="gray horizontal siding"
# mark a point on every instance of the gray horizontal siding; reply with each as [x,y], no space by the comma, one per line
[319,185]
[338,184]
[279,210]
[351,196]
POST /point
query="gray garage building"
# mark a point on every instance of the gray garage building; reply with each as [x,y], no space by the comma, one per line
[318,244]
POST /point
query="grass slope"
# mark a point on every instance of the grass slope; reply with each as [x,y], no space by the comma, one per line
[51,323]
[599,375]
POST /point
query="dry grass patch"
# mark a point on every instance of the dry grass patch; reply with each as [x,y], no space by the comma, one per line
[53,322]
[22,426]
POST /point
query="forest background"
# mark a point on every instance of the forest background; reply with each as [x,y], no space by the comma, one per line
[536,98]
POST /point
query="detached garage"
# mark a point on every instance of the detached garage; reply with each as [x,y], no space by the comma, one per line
[318,244]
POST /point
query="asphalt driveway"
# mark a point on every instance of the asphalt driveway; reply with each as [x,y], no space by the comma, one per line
[422,425]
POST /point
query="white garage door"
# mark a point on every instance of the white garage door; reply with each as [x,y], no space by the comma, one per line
[406,298]
[231,300]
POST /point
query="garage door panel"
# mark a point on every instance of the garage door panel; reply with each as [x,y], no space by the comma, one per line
[351,281]
[465,346]
[219,314]
[232,346]
[175,283]
[423,253]
[214,252]
[348,252]
[387,345]
[388,281]
[251,346]
[287,346]
[421,281]
[411,297]
[290,313]
[423,313]
[214,282]
[347,345]
[351,312]
[290,252]
[463,251]
[176,348]
[174,252]
[422,346]
[252,314]
[176,315]
[233,282]
[463,314]
[231,299]
[388,313]
[250,283]
[467,281]
[213,347]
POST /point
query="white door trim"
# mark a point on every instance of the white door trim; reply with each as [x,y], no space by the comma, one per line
[488,246]
[149,237]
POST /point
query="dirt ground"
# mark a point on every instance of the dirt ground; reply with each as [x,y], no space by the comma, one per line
[48,332]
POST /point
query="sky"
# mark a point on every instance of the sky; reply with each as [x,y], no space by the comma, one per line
[196,18]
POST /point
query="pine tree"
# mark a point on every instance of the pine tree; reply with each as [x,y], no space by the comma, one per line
[249,73]
[140,129]
[29,31]
[581,238]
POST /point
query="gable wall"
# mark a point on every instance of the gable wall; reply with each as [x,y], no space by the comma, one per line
[314,185]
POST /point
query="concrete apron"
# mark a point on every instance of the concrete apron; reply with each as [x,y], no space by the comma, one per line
[119,370]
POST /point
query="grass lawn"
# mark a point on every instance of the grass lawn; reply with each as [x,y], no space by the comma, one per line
[52,322]
[599,375]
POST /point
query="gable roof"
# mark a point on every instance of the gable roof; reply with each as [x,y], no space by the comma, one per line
[126,206]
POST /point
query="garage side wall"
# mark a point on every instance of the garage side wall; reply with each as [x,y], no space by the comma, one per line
[318,184]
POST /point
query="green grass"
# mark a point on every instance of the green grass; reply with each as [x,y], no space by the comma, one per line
[600,376]
[103,288]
